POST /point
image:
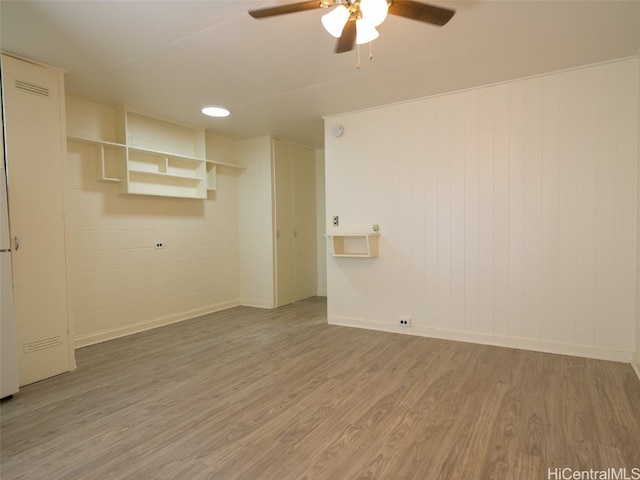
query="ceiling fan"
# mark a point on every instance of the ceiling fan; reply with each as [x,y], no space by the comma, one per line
[354,21]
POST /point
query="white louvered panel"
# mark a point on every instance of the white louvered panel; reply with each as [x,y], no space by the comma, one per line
[42,344]
[32,88]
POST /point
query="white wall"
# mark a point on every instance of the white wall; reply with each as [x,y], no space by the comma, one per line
[507,214]
[120,283]
[256,223]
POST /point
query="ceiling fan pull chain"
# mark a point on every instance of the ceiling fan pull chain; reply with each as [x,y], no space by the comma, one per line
[358,64]
[370,51]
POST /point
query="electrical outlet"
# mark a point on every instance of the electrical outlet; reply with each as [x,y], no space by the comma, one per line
[336,221]
[404,321]
[159,245]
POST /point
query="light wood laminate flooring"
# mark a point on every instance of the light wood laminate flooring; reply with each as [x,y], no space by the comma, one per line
[280,394]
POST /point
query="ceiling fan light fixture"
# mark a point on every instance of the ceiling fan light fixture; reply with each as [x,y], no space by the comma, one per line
[354,21]
[365,32]
[335,20]
[374,11]
[215,111]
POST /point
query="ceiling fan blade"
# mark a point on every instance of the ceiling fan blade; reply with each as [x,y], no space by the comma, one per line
[288,8]
[421,11]
[348,38]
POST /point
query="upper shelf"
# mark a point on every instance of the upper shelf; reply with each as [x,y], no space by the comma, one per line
[92,141]
[105,143]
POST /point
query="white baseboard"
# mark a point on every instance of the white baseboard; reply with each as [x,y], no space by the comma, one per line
[256,302]
[635,363]
[92,338]
[485,339]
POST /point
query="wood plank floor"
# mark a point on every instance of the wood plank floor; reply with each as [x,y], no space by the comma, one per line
[279,394]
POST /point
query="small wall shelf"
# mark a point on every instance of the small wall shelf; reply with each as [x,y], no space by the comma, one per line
[354,244]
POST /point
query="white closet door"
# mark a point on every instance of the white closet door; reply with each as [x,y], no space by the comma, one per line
[305,249]
[295,218]
[35,151]
[285,241]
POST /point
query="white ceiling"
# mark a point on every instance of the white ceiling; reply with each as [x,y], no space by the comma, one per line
[279,75]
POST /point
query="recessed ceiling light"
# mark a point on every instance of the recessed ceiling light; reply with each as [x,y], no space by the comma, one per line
[215,111]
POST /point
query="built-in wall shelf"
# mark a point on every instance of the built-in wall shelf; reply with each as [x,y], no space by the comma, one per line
[354,244]
[110,156]
[211,175]
[153,172]
[154,157]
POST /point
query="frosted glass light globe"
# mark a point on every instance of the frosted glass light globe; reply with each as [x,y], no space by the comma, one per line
[374,11]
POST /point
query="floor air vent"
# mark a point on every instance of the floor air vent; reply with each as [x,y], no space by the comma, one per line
[42,344]
[31,88]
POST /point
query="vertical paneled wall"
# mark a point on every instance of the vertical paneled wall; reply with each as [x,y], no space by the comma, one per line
[120,283]
[507,214]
